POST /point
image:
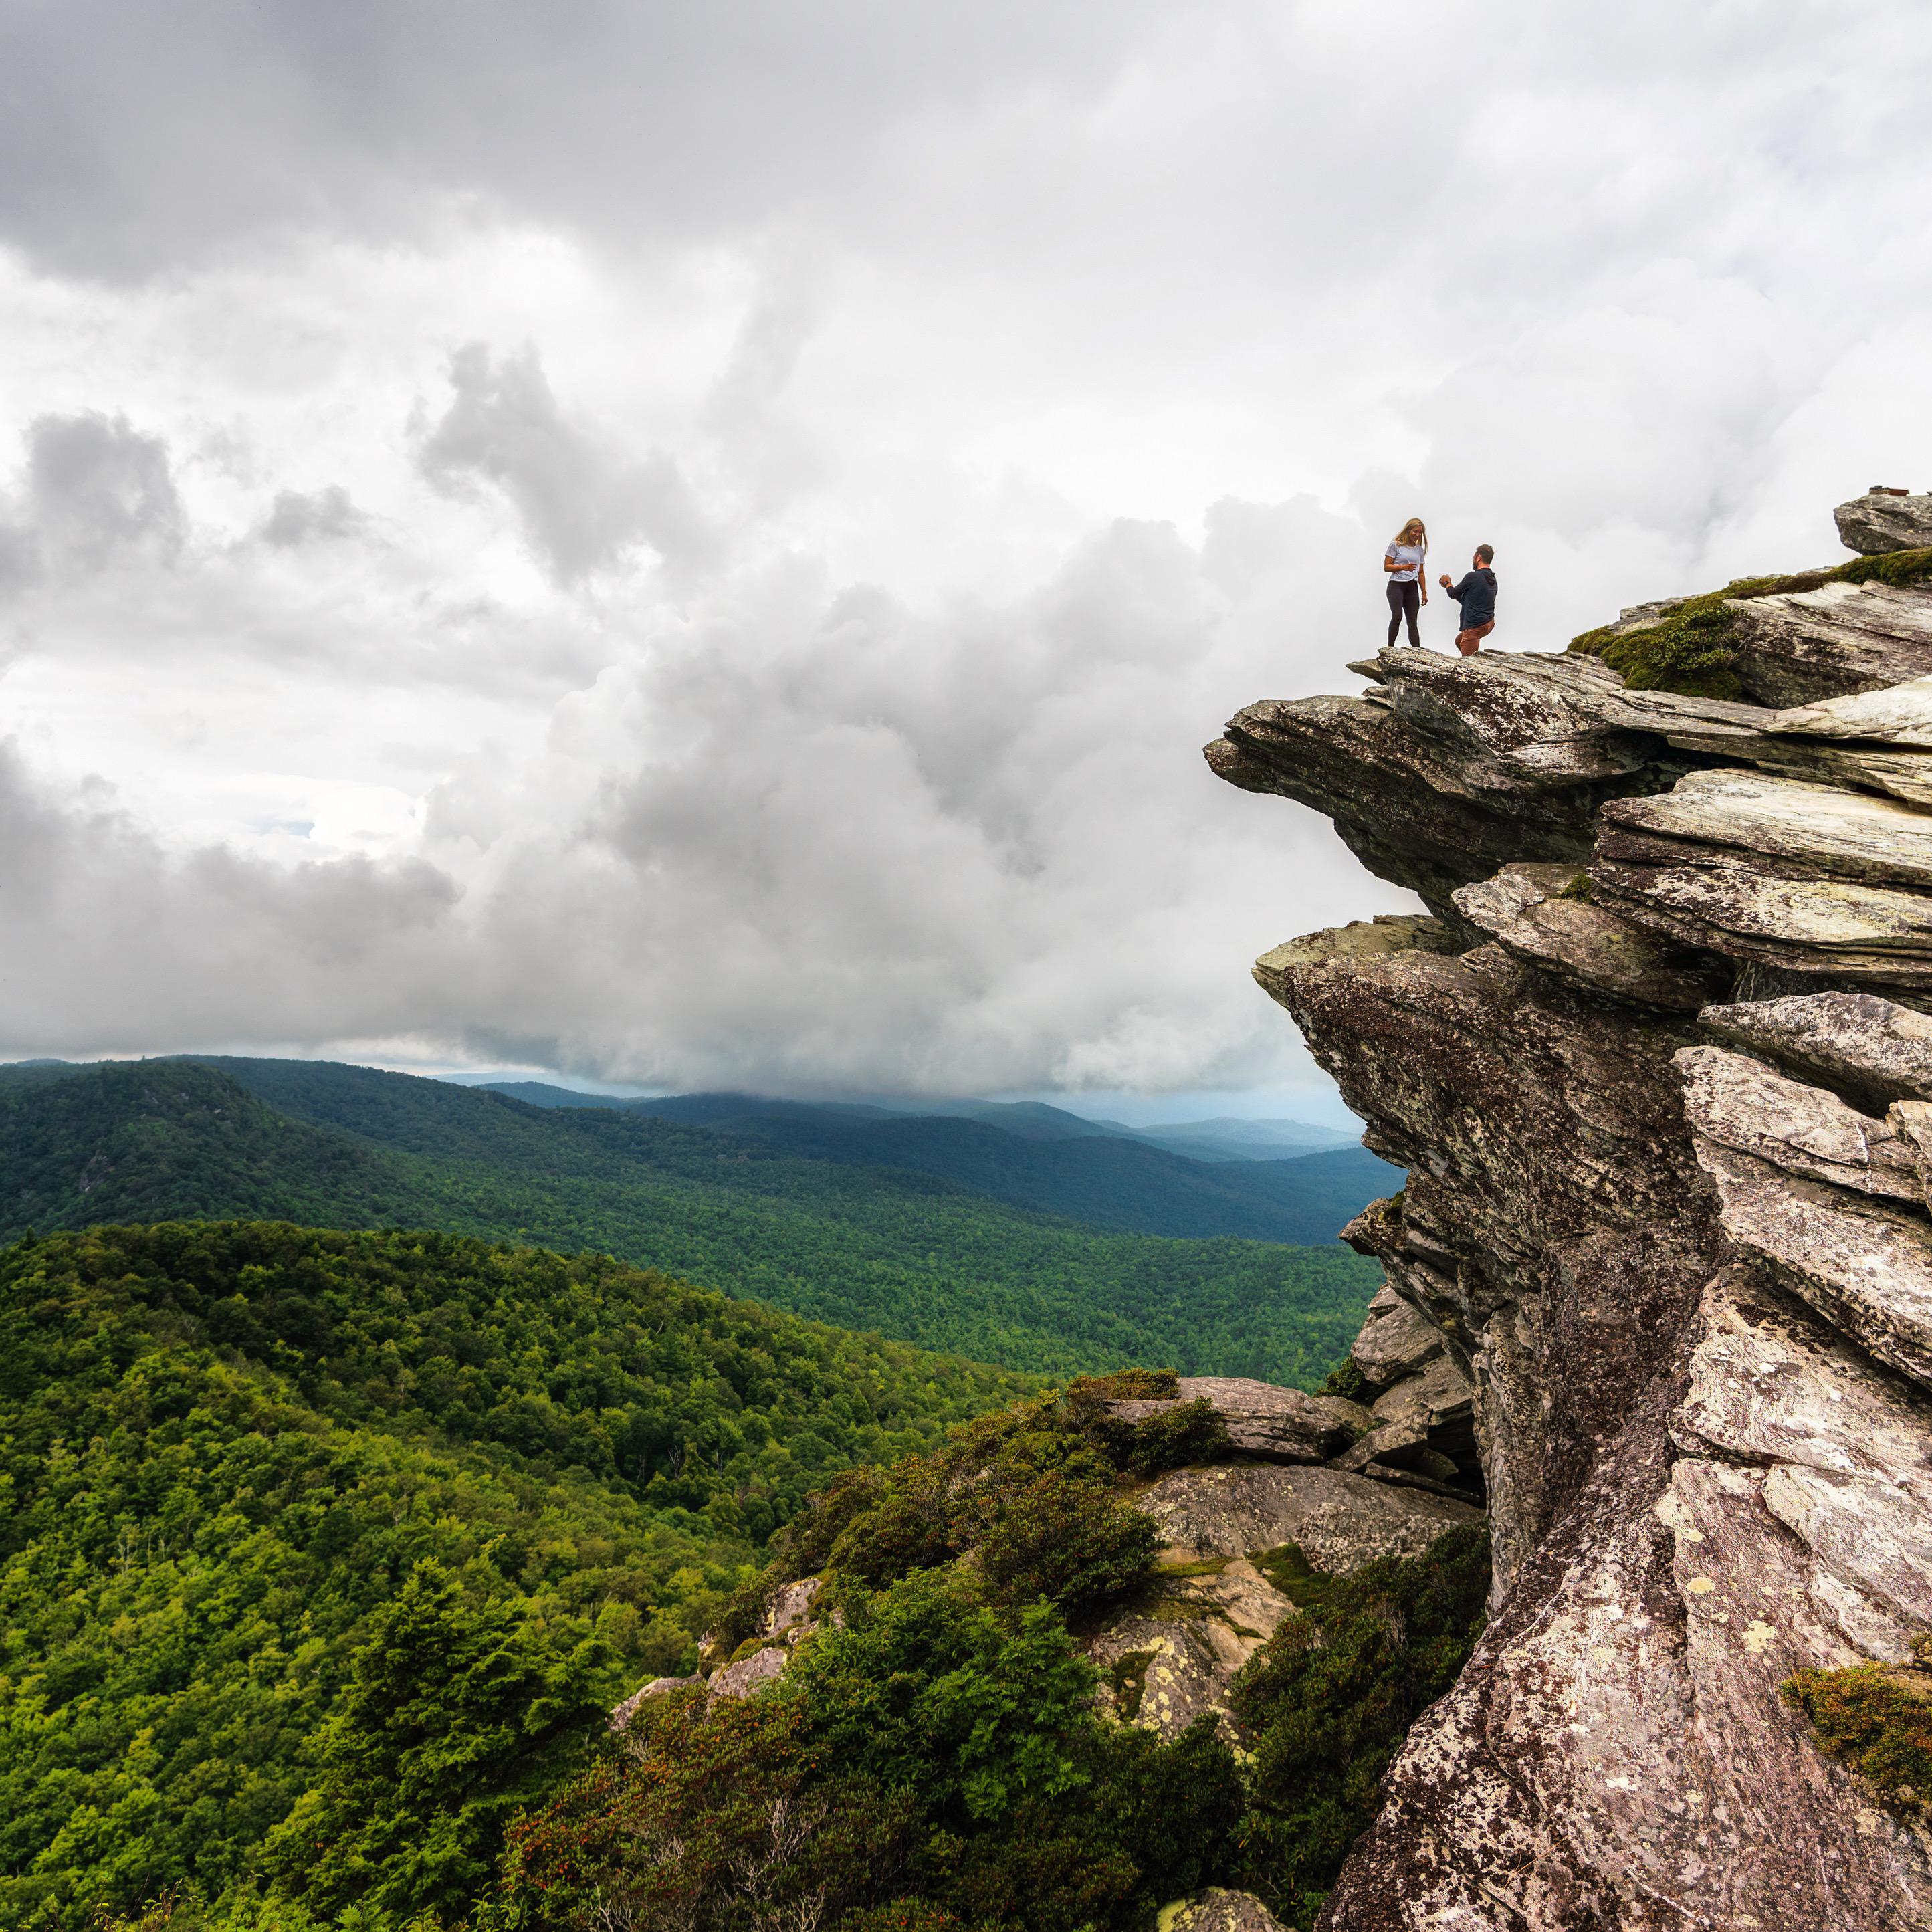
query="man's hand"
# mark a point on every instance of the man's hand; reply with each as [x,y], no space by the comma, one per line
[1445,583]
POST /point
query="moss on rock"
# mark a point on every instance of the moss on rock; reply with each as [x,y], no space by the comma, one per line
[1692,648]
[1876,1718]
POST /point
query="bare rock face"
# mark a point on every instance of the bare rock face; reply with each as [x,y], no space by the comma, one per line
[1882,521]
[1279,1425]
[749,1673]
[1339,1521]
[1395,1341]
[1664,1254]
[1169,1659]
[658,1687]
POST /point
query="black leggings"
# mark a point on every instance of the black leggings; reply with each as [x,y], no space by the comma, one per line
[1404,601]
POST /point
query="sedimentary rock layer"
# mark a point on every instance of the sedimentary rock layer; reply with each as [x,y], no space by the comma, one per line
[1656,1066]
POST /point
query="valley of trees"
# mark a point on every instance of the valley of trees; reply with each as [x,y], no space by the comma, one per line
[889,1250]
[325,1554]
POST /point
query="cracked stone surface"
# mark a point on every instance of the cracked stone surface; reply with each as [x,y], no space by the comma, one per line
[1668,1142]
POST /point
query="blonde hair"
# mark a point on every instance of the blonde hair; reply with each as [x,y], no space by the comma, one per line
[1414,523]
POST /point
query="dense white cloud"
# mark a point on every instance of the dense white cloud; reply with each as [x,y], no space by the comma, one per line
[699,544]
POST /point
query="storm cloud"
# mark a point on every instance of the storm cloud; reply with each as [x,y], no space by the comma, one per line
[699,545]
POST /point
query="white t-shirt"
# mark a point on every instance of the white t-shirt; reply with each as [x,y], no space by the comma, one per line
[1408,557]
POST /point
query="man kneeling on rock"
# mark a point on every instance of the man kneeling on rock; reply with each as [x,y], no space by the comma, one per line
[1476,594]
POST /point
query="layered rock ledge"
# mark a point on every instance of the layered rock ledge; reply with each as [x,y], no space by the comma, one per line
[1659,1287]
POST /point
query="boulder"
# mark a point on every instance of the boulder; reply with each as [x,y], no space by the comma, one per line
[1216,1910]
[1883,521]
[658,1687]
[1799,647]
[790,1607]
[1278,1425]
[1872,1049]
[1740,1102]
[1168,1659]
[1395,1341]
[1339,1520]
[749,1673]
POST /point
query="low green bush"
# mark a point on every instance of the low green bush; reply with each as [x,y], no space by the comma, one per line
[1328,1701]
[931,1760]
[1877,1718]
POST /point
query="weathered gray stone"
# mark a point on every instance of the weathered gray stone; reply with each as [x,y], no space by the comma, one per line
[1339,1521]
[791,1606]
[1722,902]
[1879,522]
[1277,1424]
[1831,834]
[1799,647]
[1190,1636]
[1395,1341]
[1866,1268]
[1871,1049]
[658,1687]
[1901,714]
[1589,946]
[1216,1910]
[749,1673]
[1616,1757]
[1740,1102]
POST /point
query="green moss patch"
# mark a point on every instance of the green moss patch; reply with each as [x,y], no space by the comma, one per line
[1692,649]
[1295,1577]
[1127,1678]
[1876,1718]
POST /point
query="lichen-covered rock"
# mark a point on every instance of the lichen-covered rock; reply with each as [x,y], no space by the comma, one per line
[1169,1658]
[1262,1419]
[1216,1910]
[1397,1340]
[1882,521]
[1339,1521]
[1867,1268]
[1523,908]
[1801,647]
[1872,1050]
[790,1606]
[1739,1102]
[1691,1292]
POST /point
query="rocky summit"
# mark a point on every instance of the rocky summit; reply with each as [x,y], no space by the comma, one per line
[1658,1060]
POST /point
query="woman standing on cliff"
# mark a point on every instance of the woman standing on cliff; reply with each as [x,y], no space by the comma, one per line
[1402,562]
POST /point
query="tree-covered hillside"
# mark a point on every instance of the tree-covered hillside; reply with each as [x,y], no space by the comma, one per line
[886,1249]
[225,1448]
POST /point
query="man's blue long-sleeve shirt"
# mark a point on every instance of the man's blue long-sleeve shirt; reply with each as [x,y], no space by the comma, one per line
[1476,594]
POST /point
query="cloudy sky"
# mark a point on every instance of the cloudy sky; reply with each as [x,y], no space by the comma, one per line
[696,543]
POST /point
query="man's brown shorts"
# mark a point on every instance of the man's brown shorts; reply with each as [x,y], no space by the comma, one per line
[1467,641]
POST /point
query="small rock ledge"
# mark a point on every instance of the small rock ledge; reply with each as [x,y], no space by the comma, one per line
[1658,1061]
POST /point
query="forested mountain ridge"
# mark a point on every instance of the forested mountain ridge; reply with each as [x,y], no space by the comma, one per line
[892,1250]
[226,1447]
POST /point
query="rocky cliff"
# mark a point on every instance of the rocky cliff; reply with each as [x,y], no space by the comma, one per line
[1657,1061]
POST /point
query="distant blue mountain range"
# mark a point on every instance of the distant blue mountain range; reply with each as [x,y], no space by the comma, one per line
[1216,1177]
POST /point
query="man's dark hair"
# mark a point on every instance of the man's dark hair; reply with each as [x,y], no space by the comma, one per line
[1484,554]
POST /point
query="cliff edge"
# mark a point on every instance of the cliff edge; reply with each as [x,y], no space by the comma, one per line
[1658,1063]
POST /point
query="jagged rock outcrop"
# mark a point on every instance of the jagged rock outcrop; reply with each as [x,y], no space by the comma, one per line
[1278,1425]
[1169,1655]
[1885,519]
[1656,1062]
